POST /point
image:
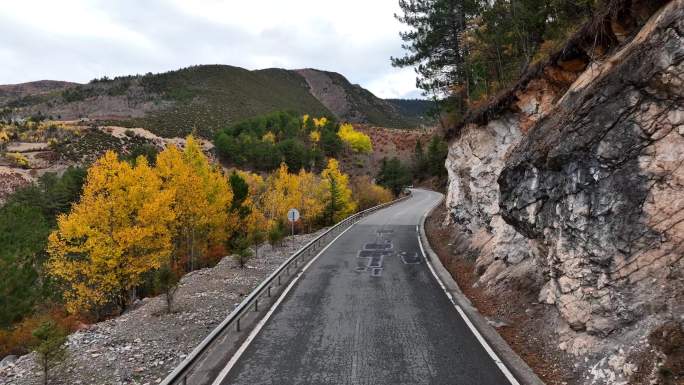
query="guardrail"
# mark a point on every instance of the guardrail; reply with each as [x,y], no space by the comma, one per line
[180,374]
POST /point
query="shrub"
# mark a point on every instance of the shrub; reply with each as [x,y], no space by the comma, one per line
[19,339]
[368,194]
[49,345]
[242,252]
[18,160]
[166,280]
[276,234]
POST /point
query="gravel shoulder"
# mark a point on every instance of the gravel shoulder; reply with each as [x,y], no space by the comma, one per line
[144,344]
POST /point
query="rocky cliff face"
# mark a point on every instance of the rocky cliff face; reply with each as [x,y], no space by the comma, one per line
[577,191]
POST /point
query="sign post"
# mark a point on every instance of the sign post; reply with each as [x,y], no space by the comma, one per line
[292,216]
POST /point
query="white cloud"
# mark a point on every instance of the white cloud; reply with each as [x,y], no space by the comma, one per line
[80,40]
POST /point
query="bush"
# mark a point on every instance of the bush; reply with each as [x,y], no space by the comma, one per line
[276,234]
[166,281]
[49,345]
[368,194]
[18,160]
[19,339]
[242,252]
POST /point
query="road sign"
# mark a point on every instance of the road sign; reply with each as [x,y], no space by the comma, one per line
[293,215]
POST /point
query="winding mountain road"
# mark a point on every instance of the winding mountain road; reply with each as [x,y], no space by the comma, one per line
[368,310]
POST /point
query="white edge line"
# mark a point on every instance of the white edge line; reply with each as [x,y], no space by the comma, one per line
[507,373]
[233,360]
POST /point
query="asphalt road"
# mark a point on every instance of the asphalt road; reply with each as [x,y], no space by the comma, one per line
[368,311]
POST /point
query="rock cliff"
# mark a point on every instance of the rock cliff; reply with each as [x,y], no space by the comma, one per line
[572,186]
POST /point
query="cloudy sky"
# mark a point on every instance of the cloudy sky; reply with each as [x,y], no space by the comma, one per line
[82,39]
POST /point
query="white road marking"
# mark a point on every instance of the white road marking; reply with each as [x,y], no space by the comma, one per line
[507,373]
[233,360]
[231,363]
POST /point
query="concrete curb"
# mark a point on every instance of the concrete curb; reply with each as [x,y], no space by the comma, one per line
[519,368]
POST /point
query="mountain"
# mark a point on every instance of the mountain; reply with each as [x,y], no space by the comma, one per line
[201,98]
[11,92]
[415,108]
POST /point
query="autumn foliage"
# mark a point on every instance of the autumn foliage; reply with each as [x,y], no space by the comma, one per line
[356,140]
[119,230]
[134,219]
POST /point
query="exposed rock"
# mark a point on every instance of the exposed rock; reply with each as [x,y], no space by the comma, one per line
[577,193]
[600,184]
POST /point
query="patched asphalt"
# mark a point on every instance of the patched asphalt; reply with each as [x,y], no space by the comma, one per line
[368,311]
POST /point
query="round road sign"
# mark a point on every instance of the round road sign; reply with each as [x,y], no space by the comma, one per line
[293,215]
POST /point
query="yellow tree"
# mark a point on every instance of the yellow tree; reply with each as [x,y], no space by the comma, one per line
[315,137]
[338,195]
[201,200]
[320,122]
[255,225]
[357,141]
[269,137]
[118,230]
[311,199]
[282,193]
[4,138]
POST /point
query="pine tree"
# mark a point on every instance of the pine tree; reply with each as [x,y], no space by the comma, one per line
[394,175]
[420,169]
[436,155]
[49,345]
[434,45]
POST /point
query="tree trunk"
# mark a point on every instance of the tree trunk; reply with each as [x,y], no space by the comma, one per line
[45,370]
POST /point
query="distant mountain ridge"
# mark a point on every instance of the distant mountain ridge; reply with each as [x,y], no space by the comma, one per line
[202,99]
[15,91]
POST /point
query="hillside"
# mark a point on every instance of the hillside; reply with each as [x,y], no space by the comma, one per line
[11,92]
[416,108]
[201,98]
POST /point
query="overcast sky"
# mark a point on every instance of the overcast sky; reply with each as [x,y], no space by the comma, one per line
[83,39]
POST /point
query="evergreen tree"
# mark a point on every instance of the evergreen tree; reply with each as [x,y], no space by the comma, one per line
[23,235]
[436,155]
[339,200]
[434,45]
[394,175]
[420,169]
[49,346]
[240,192]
